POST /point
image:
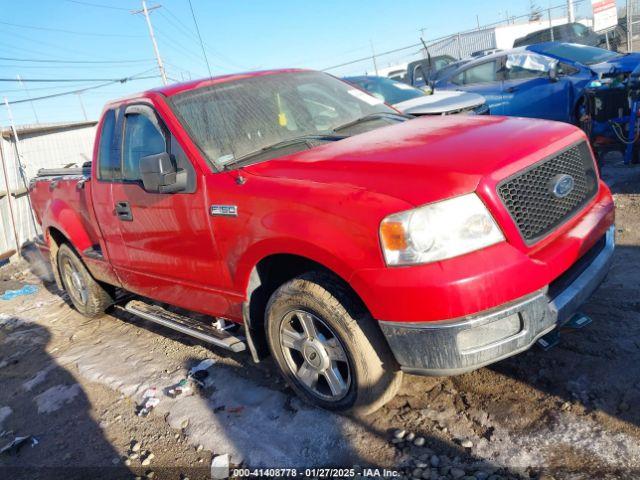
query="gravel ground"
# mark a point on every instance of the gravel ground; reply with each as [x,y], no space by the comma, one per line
[74,385]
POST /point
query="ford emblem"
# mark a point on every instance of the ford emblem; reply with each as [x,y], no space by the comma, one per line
[562,185]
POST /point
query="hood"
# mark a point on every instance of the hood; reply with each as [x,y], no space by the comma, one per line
[440,102]
[425,159]
[625,63]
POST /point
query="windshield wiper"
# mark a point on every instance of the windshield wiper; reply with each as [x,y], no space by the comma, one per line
[284,143]
[369,117]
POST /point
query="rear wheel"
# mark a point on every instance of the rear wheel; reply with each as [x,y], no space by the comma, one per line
[328,347]
[89,297]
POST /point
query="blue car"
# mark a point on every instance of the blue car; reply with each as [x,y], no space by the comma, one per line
[546,80]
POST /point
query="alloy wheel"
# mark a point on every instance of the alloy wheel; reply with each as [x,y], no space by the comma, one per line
[315,355]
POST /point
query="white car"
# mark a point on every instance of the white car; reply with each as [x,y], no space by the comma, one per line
[413,101]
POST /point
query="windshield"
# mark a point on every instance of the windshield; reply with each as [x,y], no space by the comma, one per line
[578,53]
[386,89]
[232,119]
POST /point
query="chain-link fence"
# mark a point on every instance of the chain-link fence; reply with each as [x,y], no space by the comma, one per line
[553,23]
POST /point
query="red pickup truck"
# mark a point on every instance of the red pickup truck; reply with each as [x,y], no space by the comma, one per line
[290,213]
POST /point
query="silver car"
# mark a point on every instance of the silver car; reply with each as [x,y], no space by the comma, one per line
[413,101]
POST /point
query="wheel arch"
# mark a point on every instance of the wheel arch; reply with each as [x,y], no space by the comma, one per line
[269,273]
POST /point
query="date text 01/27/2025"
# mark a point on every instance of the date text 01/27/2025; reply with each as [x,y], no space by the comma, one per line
[313,472]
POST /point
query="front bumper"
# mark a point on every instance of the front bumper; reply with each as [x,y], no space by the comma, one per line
[456,346]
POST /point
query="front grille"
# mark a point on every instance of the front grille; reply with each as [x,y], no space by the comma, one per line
[529,196]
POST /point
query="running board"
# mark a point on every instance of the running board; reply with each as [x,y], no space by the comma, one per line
[186,325]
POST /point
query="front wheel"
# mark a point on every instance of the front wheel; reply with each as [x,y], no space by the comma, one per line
[89,297]
[328,347]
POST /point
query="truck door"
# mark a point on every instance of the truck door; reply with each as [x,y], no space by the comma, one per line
[530,91]
[171,254]
[107,171]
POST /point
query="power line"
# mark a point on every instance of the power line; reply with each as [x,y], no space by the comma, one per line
[42,60]
[204,53]
[187,31]
[71,92]
[69,67]
[56,80]
[71,32]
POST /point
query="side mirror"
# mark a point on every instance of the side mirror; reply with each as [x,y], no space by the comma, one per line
[160,175]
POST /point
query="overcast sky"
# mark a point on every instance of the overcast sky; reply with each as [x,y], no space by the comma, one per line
[239,35]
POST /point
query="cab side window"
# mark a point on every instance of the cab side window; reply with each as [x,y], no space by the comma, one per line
[141,138]
[108,158]
[483,73]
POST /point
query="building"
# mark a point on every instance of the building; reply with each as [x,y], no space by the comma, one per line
[52,145]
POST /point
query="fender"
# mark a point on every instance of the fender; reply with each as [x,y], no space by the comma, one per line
[61,216]
[300,248]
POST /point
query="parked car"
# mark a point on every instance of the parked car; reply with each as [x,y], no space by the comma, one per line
[568,33]
[420,72]
[545,81]
[316,223]
[413,101]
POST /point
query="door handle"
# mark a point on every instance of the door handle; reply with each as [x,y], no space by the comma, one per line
[510,89]
[123,211]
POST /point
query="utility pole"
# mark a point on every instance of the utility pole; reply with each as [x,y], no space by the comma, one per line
[570,14]
[146,11]
[478,21]
[21,169]
[373,57]
[23,85]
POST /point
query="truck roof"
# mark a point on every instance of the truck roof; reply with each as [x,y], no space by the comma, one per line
[175,88]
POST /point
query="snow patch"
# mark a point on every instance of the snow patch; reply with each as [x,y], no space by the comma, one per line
[54,398]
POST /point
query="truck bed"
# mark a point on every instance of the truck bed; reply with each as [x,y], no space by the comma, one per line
[67,189]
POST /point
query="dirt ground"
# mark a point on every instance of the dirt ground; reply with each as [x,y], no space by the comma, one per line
[74,384]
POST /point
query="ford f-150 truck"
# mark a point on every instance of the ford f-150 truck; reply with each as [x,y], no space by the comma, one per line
[289,213]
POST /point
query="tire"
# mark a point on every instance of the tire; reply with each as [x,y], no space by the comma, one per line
[89,297]
[347,365]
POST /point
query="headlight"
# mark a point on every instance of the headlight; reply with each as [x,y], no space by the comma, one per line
[438,231]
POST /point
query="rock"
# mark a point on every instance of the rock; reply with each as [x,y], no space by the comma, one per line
[444,470]
[127,462]
[150,474]
[399,433]
[145,462]
[199,448]
[419,442]
[133,456]
[434,461]
[456,473]
[410,436]
[417,473]
[176,436]
[421,465]
[135,446]
[565,406]
[466,443]
[480,475]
